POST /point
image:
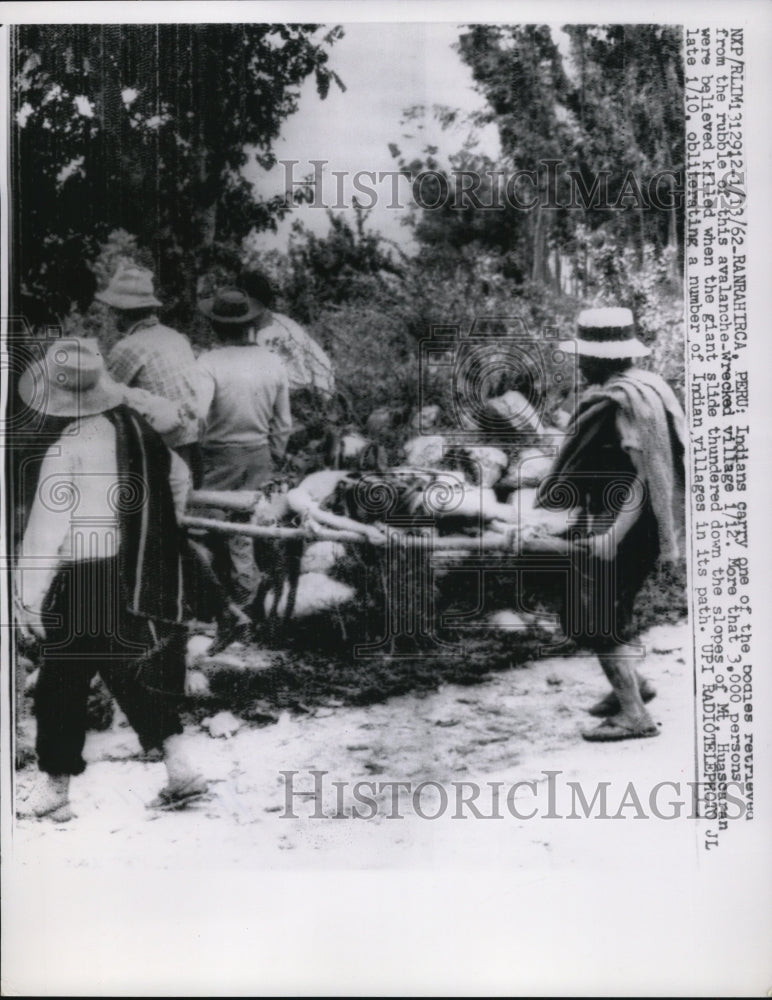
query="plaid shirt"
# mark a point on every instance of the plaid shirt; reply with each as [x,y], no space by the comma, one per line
[160,360]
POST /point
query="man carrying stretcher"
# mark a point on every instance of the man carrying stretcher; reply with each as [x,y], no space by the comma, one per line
[621,468]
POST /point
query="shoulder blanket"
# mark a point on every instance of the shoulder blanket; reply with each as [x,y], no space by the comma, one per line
[150,563]
[651,427]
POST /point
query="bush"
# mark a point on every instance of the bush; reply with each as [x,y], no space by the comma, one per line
[643,281]
[375,341]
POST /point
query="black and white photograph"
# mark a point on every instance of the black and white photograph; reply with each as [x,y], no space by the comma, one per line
[385,478]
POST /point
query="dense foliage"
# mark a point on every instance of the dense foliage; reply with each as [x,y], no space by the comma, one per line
[130,142]
[593,141]
[146,128]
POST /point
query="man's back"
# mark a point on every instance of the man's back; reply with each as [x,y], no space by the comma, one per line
[160,360]
[247,394]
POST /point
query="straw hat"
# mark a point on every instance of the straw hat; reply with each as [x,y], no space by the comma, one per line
[230,306]
[130,288]
[70,381]
[608,334]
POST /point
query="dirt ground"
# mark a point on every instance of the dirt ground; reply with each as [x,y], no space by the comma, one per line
[513,726]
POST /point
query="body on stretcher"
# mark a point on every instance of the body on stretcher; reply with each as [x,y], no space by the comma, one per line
[303,512]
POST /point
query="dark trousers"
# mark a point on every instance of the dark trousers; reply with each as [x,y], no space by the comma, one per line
[89,631]
[206,596]
[597,609]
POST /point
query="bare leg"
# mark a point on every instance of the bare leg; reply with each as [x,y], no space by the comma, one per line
[632,719]
[622,678]
[610,704]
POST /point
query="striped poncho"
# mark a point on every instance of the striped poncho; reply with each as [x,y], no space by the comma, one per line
[652,430]
[150,560]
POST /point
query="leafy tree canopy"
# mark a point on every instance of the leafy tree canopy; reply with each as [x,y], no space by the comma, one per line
[146,128]
[610,107]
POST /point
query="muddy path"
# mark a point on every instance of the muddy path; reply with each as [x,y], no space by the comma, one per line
[517,725]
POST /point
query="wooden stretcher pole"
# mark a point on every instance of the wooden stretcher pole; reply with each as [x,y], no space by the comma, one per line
[487,542]
[269,530]
[240,500]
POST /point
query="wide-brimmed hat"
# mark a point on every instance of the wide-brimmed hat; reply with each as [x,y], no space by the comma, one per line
[608,334]
[130,288]
[230,306]
[70,380]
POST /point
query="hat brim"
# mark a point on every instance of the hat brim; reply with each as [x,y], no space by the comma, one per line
[128,301]
[611,350]
[255,309]
[40,395]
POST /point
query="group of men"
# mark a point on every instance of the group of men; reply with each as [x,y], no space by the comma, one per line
[233,401]
[100,582]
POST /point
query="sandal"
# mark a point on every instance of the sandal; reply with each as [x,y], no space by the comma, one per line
[611,731]
[610,704]
[180,796]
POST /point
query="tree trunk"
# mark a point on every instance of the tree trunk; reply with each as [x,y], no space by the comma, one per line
[672,234]
[207,213]
[537,270]
[641,233]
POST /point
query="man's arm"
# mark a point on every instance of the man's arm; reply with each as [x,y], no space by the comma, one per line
[123,363]
[205,389]
[180,483]
[47,527]
[162,415]
[605,545]
[281,420]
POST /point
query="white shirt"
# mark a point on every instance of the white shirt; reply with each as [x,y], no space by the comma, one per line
[74,516]
[244,397]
